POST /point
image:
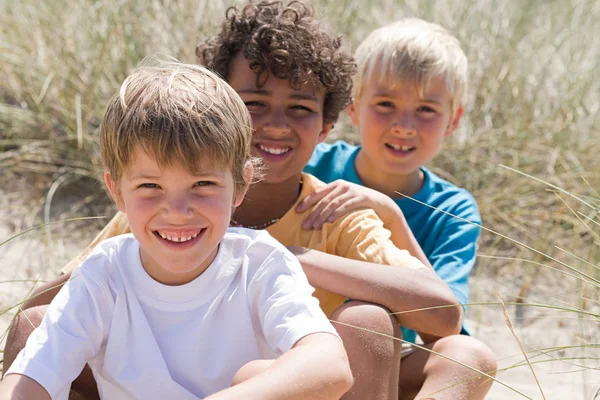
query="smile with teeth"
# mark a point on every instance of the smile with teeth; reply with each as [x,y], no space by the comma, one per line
[272,150]
[398,147]
[178,237]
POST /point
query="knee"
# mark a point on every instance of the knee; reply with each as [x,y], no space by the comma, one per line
[469,351]
[486,359]
[368,329]
[365,317]
[22,326]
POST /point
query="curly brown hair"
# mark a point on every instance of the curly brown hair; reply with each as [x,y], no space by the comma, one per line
[285,40]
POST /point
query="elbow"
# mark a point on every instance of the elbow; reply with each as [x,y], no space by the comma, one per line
[340,376]
[450,316]
[343,380]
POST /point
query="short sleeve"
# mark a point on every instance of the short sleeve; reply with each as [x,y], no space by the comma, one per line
[70,335]
[119,225]
[361,236]
[454,256]
[281,297]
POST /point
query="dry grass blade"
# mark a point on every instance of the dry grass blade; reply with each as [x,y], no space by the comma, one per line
[576,214]
[42,225]
[520,345]
[19,304]
[513,303]
[48,203]
[578,258]
[22,281]
[559,189]
[531,262]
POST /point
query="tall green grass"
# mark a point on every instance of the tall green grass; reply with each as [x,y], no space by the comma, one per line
[527,147]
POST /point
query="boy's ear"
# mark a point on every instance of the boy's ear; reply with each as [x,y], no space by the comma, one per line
[239,195]
[351,109]
[114,191]
[325,131]
[454,123]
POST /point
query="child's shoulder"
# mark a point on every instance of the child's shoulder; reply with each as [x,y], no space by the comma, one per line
[245,237]
[438,184]
[331,159]
[257,253]
[332,151]
[255,244]
[338,147]
[447,196]
[103,270]
[109,254]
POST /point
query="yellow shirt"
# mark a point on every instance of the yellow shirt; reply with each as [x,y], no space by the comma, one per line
[359,235]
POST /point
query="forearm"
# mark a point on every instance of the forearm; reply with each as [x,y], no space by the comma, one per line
[21,387]
[399,289]
[316,368]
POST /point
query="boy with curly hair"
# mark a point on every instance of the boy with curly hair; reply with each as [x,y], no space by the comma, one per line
[295,79]
[409,94]
[180,307]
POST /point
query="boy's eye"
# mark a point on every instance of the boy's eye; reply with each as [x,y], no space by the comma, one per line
[203,183]
[149,186]
[254,105]
[426,109]
[385,104]
[426,112]
[300,110]
[303,108]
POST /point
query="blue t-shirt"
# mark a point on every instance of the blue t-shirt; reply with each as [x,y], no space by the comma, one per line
[449,243]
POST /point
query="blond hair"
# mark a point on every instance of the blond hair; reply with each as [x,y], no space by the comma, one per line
[412,50]
[180,115]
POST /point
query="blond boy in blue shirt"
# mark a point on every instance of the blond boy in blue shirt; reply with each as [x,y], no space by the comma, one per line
[409,95]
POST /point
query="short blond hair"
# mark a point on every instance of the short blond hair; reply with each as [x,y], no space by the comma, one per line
[412,50]
[180,115]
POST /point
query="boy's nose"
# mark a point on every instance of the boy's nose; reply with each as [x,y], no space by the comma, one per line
[405,126]
[277,124]
[178,208]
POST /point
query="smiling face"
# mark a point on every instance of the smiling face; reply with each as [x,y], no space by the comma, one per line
[178,218]
[401,130]
[287,122]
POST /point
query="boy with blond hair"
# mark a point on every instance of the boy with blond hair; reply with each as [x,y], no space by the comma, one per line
[183,305]
[295,78]
[409,94]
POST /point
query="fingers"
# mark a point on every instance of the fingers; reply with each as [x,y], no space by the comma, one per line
[331,202]
[334,209]
[352,204]
[315,197]
[323,209]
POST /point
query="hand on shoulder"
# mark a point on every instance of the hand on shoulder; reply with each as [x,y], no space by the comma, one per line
[340,197]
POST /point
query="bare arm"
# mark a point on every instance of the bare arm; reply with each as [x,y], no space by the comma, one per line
[21,387]
[396,288]
[45,293]
[340,197]
[315,368]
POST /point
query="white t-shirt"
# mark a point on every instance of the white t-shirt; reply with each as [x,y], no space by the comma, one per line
[146,340]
